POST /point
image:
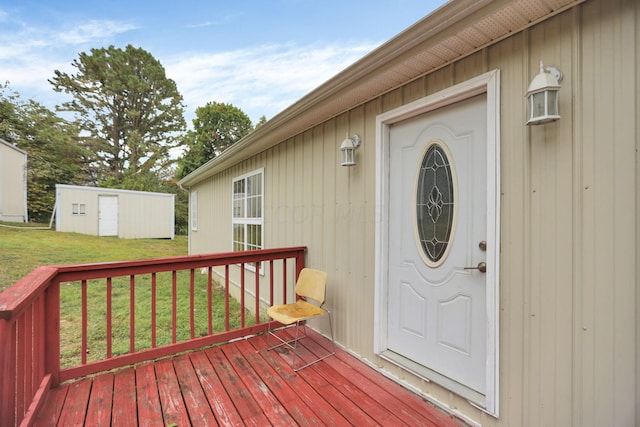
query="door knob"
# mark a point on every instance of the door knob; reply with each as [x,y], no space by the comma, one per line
[482,267]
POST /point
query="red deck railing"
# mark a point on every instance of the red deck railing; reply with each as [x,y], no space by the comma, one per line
[30,315]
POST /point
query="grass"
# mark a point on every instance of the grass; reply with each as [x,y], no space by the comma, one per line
[22,250]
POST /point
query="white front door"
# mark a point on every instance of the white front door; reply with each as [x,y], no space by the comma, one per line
[107,215]
[437,259]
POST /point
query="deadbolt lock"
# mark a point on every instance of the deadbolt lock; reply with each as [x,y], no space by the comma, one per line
[483,245]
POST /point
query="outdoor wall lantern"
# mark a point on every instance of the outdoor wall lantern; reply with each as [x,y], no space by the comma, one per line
[348,149]
[543,96]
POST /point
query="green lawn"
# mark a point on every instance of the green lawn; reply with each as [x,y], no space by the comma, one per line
[22,250]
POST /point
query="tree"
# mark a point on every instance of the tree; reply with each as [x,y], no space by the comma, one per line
[53,154]
[129,113]
[216,127]
[262,120]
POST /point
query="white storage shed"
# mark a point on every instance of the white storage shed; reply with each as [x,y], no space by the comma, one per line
[13,183]
[112,212]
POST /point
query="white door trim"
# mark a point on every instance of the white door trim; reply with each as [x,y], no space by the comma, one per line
[488,83]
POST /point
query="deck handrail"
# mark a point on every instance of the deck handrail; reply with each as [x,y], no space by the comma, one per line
[30,318]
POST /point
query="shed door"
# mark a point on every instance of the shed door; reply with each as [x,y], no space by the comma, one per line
[436,302]
[107,215]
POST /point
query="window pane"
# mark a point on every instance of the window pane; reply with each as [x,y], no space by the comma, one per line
[238,208]
[238,237]
[238,189]
[254,238]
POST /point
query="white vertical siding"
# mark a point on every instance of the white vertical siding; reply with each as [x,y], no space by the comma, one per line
[608,292]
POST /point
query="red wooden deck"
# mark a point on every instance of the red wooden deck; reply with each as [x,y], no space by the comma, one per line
[240,383]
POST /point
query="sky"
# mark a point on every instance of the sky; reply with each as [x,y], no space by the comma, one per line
[258,55]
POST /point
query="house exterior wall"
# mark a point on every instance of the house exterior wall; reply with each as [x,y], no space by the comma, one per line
[569,329]
[140,214]
[13,183]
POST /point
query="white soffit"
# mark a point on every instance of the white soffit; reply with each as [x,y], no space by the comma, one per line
[455,30]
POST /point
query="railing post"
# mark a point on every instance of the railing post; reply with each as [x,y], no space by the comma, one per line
[52,334]
[299,262]
[7,365]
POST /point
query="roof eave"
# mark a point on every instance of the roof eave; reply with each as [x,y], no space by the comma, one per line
[328,99]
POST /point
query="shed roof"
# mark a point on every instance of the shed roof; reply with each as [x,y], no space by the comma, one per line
[112,190]
[453,31]
[3,142]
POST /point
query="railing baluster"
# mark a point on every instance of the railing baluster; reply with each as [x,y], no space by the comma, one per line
[109,319]
[28,348]
[153,310]
[38,352]
[209,300]
[8,329]
[284,281]
[271,273]
[174,305]
[52,332]
[20,371]
[227,325]
[132,313]
[192,304]
[83,350]
[242,295]
[257,293]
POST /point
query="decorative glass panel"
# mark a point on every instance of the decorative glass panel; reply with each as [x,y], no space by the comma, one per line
[435,203]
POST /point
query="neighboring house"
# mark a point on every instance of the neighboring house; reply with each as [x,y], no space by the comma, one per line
[488,264]
[111,212]
[13,183]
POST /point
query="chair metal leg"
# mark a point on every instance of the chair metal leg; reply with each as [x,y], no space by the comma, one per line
[289,343]
[333,343]
[293,343]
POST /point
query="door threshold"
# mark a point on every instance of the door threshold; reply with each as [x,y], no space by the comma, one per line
[476,398]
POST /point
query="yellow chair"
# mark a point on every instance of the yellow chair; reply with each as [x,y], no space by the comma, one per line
[311,285]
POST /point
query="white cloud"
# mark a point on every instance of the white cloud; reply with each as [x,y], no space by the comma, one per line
[262,80]
[95,30]
[30,54]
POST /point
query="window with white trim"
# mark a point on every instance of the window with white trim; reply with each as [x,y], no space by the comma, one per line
[194,210]
[247,205]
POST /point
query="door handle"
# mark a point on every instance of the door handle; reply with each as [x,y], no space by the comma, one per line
[482,267]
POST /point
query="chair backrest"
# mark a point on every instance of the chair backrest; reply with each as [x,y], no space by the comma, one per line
[312,284]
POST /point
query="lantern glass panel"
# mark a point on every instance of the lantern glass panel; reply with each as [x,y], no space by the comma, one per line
[552,102]
[538,105]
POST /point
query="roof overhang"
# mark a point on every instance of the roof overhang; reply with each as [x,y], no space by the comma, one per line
[454,31]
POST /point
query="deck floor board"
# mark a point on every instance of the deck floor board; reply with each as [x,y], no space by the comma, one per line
[241,384]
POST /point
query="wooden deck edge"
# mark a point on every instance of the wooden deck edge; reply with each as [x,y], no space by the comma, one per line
[37,402]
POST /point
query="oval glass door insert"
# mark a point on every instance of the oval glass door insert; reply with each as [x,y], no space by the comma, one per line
[435,204]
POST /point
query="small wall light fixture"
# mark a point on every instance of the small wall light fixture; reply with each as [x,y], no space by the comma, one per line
[348,150]
[543,96]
